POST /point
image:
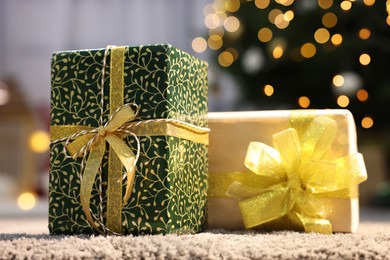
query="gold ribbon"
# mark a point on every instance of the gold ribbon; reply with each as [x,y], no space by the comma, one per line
[290,180]
[81,140]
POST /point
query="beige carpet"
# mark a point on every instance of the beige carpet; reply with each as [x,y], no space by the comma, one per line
[29,239]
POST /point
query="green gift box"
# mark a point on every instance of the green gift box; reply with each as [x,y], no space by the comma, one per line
[129,157]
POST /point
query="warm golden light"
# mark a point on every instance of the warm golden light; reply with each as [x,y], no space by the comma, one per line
[308,50]
[211,21]
[388,20]
[39,141]
[277,52]
[338,80]
[265,34]
[364,33]
[262,4]
[268,90]
[225,59]
[367,122]
[362,95]
[325,4]
[215,42]
[369,2]
[321,35]
[285,2]
[343,101]
[329,20]
[199,44]
[234,52]
[336,39]
[280,22]
[26,201]
[273,14]
[304,102]
[288,16]
[219,31]
[346,5]
[232,24]
[364,59]
[232,5]
[221,16]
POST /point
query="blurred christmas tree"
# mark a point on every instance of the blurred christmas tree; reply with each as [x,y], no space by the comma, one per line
[305,53]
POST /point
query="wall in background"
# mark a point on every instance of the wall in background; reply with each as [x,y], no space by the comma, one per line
[30,31]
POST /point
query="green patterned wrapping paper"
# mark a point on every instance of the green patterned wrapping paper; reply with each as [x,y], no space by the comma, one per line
[170,188]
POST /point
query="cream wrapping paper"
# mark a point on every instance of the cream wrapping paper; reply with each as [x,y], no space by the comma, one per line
[231,132]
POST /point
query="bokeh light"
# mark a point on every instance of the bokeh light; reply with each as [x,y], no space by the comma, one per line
[369,2]
[367,122]
[364,59]
[277,52]
[362,95]
[234,52]
[289,15]
[199,44]
[337,39]
[329,20]
[39,141]
[304,102]
[211,21]
[325,4]
[268,90]
[322,35]
[225,59]
[280,22]
[215,42]
[262,4]
[338,80]
[308,50]
[343,101]
[231,24]
[273,14]
[346,5]
[364,33]
[265,34]
[232,5]
[26,201]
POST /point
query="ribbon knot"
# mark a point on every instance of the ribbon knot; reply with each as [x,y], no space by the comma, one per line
[293,178]
[295,183]
[102,131]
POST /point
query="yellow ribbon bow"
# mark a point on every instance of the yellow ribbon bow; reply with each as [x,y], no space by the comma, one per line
[94,142]
[292,178]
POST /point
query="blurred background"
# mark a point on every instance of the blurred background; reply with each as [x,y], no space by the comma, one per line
[263,55]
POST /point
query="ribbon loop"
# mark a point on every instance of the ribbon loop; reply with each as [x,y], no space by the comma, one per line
[269,165]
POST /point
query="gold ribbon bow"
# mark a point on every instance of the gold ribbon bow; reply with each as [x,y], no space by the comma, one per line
[291,179]
[94,142]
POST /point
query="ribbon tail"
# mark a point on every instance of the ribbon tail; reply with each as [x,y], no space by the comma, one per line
[317,225]
[127,158]
[76,145]
[91,169]
[129,185]
[264,207]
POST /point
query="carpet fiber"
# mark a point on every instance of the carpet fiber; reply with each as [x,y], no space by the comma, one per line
[22,239]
